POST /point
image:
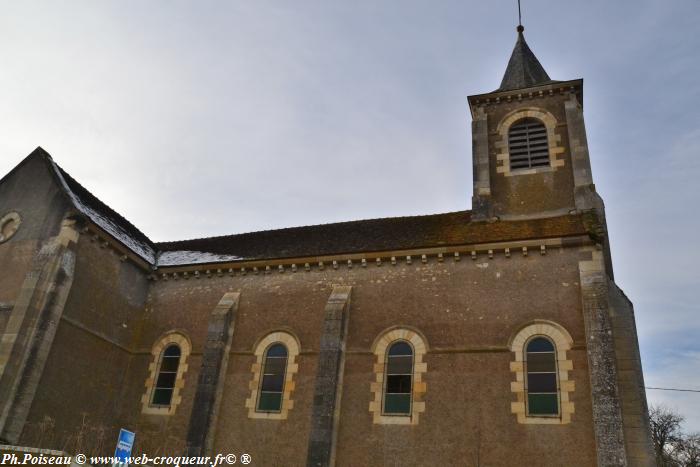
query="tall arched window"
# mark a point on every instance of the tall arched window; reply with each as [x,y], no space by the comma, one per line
[527,144]
[272,382]
[542,382]
[399,379]
[167,374]
[398,390]
[273,369]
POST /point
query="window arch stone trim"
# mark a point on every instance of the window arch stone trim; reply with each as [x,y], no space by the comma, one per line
[293,349]
[9,224]
[563,343]
[181,340]
[379,349]
[556,150]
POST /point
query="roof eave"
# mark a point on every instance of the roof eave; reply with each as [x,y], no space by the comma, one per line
[574,85]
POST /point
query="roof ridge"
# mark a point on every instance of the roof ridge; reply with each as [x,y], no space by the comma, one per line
[102,203]
[37,152]
[101,214]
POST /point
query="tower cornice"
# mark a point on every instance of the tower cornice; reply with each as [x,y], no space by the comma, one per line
[574,86]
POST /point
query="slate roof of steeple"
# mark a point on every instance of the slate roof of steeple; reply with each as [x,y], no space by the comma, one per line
[524,70]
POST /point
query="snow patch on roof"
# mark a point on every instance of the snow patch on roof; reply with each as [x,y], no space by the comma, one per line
[140,248]
[106,222]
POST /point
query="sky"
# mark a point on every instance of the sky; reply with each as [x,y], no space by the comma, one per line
[196,119]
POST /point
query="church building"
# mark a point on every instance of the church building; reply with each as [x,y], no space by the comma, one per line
[494,336]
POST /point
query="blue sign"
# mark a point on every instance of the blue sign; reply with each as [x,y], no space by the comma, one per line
[124,445]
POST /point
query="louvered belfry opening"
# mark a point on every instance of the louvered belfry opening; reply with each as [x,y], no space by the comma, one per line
[527,144]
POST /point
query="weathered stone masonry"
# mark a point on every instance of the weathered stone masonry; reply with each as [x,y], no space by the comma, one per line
[42,298]
[210,385]
[329,379]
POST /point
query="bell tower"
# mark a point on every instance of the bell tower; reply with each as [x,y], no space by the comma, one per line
[530,154]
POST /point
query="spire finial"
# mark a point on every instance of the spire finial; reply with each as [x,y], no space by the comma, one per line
[523,70]
[520,27]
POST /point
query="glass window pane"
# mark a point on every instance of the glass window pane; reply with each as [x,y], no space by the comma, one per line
[272,383]
[542,404]
[542,382]
[540,344]
[400,365]
[539,362]
[401,348]
[277,350]
[169,363]
[397,404]
[275,365]
[398,384]
[270,402]
[166,380]
[172,351]
[162,396]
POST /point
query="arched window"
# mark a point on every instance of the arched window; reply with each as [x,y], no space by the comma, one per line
[399,379]
[527,144]
[398,390]
[273,369]
[272,382]
[167,375]
[542,382]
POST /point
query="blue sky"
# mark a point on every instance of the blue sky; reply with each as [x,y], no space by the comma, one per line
[205,118]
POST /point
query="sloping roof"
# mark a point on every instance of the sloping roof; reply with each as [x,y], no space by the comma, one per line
[95,210]
[373,235]
[523,70]
[106,218]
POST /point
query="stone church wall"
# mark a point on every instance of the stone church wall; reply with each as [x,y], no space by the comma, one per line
[100,369]
[529,195]
[85,387]
[467,311]
[630,380]
[30,195]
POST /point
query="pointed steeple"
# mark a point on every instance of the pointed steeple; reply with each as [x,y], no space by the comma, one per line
[524,70]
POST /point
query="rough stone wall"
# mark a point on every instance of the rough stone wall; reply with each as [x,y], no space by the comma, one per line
[607,413]
[91,354]
[329,380]
[481,197]
[51,279]
[466,311]
[533,194]
[34,271]
[210,385]
[267,303]
[31,193]
[630,380]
